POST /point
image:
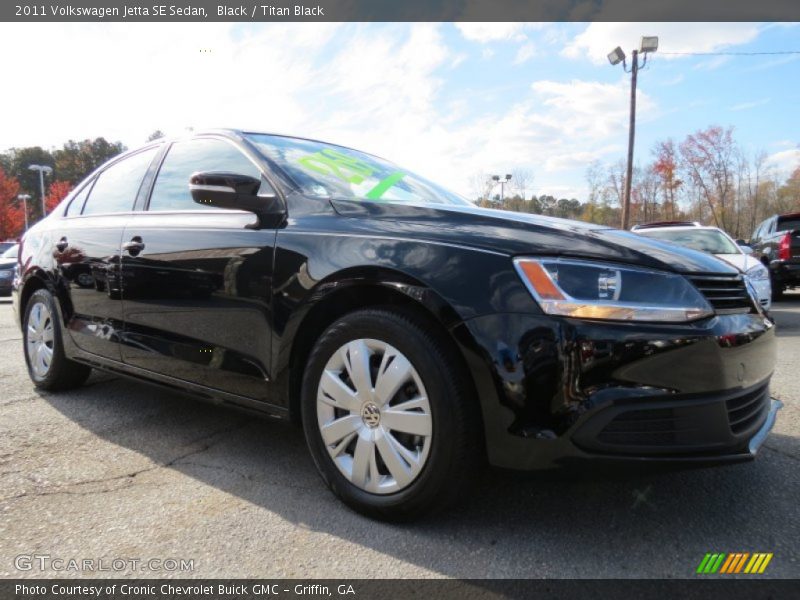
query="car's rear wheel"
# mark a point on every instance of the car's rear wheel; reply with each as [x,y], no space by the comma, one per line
[387,417]
[48,366]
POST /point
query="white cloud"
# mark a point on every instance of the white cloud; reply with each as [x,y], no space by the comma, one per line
[598,39]
[749,105]
[491,32]
[378,88]
[526,52]
[785,161]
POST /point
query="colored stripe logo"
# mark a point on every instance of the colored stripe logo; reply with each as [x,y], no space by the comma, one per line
[734,562]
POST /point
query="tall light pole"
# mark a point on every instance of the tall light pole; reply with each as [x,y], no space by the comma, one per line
[616,56]
[42,170]
[502,182]
[25,198]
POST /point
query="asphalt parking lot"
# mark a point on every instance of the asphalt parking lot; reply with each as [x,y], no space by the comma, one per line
[120,470]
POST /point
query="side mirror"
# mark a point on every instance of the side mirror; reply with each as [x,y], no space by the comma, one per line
[236,192]
[744,247]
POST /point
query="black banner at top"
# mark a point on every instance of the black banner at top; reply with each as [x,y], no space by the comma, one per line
[398,10]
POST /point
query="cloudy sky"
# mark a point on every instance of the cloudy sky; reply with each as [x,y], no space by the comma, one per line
[449,101]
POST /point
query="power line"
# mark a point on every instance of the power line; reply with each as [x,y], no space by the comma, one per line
[731,53]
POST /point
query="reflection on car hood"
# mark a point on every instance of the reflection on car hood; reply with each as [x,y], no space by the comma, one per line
[520,233]
[743,262]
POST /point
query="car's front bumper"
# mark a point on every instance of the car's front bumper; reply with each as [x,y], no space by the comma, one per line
[555,390]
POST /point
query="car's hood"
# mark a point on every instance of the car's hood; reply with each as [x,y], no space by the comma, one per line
[743,262]
[520,233]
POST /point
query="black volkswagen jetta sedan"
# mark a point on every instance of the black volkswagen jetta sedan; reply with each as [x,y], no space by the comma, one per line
[412,334]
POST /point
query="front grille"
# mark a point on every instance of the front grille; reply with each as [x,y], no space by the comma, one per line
[726,293]
[654,427]
[748,411]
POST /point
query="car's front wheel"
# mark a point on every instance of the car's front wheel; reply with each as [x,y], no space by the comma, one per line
[387,416]
[48,366]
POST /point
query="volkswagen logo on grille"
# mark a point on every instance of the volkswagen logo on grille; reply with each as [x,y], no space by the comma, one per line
[371,415]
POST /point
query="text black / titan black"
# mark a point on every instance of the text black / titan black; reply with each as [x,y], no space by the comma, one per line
[410,332]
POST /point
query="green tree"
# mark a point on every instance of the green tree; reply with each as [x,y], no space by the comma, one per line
[76,160]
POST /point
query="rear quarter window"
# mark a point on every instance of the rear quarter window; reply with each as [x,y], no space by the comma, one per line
[76,204]
[115,189]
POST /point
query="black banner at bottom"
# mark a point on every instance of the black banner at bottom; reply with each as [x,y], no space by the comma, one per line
[733,588]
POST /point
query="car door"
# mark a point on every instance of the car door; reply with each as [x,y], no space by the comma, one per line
[197,280]
[87,250]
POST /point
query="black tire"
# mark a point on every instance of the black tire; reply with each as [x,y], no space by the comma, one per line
[63,374]
[777,292]
[456,442]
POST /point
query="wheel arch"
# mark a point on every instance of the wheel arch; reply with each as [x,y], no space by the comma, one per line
[355,290]
[38,279]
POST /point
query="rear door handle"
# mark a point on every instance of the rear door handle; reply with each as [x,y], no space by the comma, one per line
[62,244]
[133,247]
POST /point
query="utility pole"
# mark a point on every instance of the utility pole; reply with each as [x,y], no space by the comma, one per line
[502,182]
[25,198]
[42,170]
[616,56]
[626,207]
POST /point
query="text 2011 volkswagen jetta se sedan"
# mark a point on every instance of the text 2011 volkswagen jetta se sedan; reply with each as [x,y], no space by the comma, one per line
[410,332]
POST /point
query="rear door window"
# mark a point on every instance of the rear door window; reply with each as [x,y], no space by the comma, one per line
[116,188]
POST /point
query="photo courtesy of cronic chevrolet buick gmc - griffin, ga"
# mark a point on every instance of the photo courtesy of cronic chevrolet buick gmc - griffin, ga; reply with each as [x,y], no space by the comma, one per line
[411,333]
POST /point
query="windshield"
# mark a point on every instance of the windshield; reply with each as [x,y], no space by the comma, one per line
[328,171]
[705,240]
[10,252]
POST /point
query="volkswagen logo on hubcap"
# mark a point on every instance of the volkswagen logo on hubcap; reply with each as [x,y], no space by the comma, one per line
[371,415]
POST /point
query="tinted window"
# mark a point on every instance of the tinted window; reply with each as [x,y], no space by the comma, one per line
[328,171]
[116,188]
[788,223]
[171,190]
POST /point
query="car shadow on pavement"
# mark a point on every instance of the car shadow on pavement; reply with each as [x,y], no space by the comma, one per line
[592,523]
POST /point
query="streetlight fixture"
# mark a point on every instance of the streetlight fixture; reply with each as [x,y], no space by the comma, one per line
[502,182]
[648,43]
[25,198]
[42,170]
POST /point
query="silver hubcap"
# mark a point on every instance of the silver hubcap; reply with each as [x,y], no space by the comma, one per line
[40,339]
[374,416]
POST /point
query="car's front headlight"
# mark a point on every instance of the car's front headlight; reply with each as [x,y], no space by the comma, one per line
[758,273]
[596,290]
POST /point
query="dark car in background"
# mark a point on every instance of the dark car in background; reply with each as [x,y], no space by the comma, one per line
[776,243]
[412,334]
[8,268]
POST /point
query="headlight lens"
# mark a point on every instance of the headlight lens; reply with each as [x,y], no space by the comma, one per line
[758,273]
[596,290]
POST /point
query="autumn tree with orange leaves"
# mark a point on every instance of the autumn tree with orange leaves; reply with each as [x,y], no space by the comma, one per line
[57,192]
[12,217]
